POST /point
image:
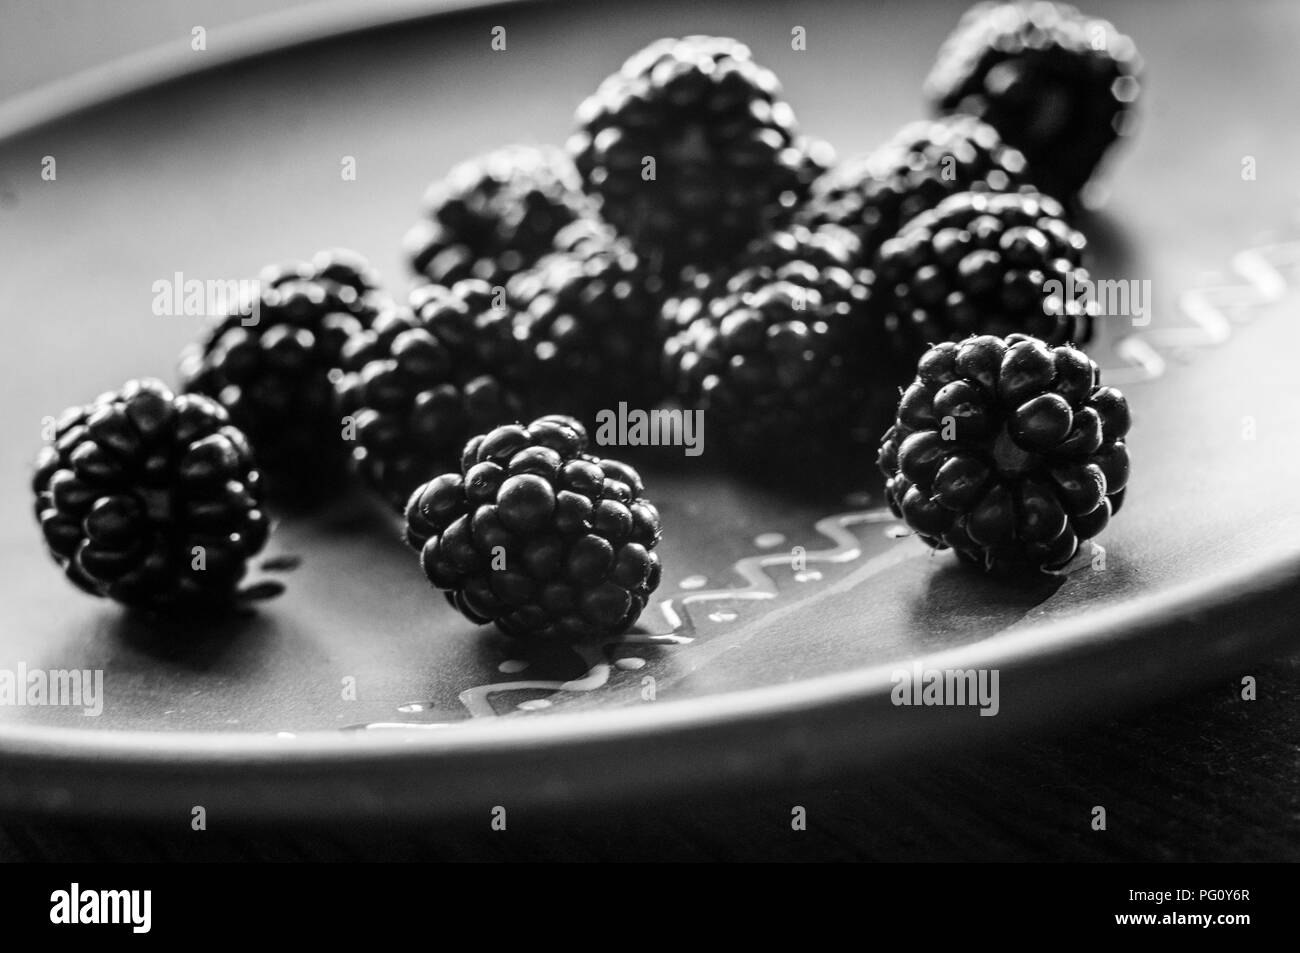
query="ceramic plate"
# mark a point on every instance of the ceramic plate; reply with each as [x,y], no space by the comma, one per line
[772,646]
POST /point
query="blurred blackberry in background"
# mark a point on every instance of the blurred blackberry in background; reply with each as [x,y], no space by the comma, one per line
[585,322]
[824,258]
[271,370]
[1056,84]
[1009,451]
[813,159]
[727,158]
[422,379]
[781,357]
[537,535]
[151,499]
[980,263]
[926,161]
[495,215]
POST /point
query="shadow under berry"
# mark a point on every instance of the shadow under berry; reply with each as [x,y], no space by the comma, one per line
[959,600]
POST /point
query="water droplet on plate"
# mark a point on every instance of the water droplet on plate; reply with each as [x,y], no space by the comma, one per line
[512,665]
[285,734]
[534,704]
[768,540]
[897,531]
[722,615]
[695,582]
[808,575]
[630,664]
[411,708]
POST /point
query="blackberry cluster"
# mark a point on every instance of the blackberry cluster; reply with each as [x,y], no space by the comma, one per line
[925,162]
[151,499]
[779,354]
[537,535]
[1056,84]
[1009,451]
[726,154]
[271,369]
[422,379]
[495,215]
[981,263]
[584,318]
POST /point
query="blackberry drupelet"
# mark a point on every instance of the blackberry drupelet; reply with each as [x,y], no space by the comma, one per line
[585,322]
[782,355]
[134,483]
[981,263]
[726,155]
[272,370]
[495,215]
[926,161]
[1056,84]
[537,535]
[1008,451]
[422,379]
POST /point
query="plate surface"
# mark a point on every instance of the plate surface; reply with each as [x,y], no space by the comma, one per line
[781,616]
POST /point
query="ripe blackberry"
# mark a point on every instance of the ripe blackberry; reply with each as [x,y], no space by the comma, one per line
[585,322]
[1058,85]
[981,263]
[151,499]
[271,370]
[926,161]
[1009,451]
[726,154]
[421,380]
[780,353]
[495,215]
[537,535]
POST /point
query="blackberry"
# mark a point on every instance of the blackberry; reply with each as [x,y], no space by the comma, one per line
[726,154]
[271,370]
[1056,84]
[585,322]
[981,263]
[135,483]
[1008,451]
[495,215]
[823,257]
[537,535]
[926,161]
[421,380]
[780,355]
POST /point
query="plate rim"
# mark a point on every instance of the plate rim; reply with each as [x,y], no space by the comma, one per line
[68,762]
[242,41]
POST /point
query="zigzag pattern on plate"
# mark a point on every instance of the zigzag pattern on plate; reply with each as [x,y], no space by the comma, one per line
[759,585]
[1211,311]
